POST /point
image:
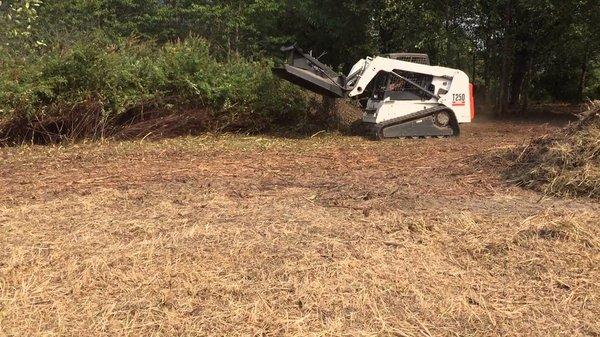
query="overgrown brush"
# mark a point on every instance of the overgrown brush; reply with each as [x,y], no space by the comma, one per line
[93,90]
[566,163]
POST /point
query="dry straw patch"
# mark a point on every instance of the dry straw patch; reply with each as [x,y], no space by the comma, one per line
[246,236]
[208,264]
[565,163]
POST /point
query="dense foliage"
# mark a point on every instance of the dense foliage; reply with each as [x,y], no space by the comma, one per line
[515,49]
[89,89]
[123,53]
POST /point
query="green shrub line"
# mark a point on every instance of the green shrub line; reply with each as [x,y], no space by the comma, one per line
[90,89]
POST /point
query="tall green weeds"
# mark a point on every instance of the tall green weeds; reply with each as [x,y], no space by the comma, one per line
[91,90]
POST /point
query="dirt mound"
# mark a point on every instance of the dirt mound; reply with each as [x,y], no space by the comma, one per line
[566,163]
[331,114]
[348,112]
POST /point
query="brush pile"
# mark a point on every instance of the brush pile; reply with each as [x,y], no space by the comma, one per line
[563,164]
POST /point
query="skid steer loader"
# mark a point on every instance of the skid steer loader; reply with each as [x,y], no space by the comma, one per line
[402,94]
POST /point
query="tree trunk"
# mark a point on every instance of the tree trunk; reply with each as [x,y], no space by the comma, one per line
[228,46]
[237,32]
[474,64]
[502,102]
[487,73]
[447,30]
[521,63]
[584,74]
[525,90]
[486,78]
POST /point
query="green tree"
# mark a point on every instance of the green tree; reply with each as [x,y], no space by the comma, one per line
[514,50]
[16,19]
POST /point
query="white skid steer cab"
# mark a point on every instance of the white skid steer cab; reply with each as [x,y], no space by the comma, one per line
[402,94]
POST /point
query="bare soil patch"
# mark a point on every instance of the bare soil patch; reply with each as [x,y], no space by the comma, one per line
[331,235]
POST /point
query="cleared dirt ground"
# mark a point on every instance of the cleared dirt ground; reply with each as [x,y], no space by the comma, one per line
[332,235]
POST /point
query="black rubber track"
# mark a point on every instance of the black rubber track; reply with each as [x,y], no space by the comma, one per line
[377,130]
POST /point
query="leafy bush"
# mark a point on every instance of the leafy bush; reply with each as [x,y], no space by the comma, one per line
[92,89]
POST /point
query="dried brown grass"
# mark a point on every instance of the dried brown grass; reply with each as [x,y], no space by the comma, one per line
[204,264]
[331,236]
[564,163]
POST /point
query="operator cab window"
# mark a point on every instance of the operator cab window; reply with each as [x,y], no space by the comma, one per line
[399,90]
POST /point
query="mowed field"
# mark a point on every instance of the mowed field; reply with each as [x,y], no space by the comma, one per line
[325,236]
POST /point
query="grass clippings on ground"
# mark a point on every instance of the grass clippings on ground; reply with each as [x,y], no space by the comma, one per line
[257,236]
[565,162]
